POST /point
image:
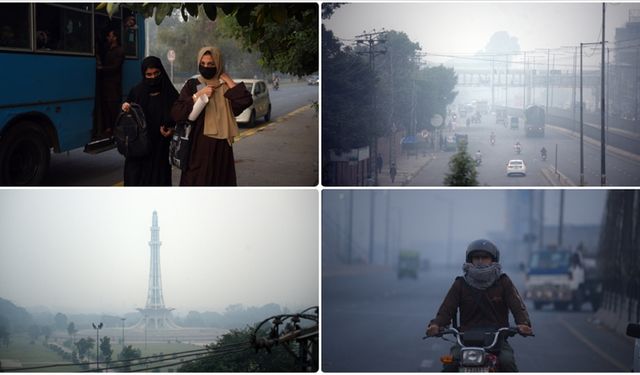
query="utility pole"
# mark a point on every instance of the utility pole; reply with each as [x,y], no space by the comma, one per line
[541,228]
[97,328]
[533,81]
[560,223]
[573,93]
[506,84]
[372,40]
[386,234]
[123,319]
[603,172]
[524,82]
[581,122]
[546,108]
[372,223]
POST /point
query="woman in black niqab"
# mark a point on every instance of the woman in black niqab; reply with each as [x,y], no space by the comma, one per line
[155,94]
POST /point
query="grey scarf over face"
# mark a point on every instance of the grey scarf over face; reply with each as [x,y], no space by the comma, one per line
[481,277]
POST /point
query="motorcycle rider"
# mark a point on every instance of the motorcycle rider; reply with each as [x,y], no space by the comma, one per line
[478,157]
[543,153]
[492,137]
[484,296]
[517,147]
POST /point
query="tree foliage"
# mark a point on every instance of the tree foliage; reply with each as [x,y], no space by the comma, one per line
[286,35]
[128,353]
[278,360]
[346,97]
[105,349]
[435,86]
[84,345]
[462,169]
[186,39]
[60,321]
[71,329]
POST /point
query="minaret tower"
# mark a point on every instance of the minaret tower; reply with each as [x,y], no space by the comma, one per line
[155,314]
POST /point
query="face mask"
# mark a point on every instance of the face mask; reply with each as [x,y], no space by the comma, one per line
[153,83]
[208,73]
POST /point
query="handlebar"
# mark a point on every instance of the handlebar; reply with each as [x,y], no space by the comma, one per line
[511,331]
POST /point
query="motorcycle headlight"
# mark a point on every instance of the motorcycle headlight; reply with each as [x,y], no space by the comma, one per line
[472,357]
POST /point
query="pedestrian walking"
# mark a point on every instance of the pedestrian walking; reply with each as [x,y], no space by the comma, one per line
[392,172]
[379,163]
[156,95]
[211,161]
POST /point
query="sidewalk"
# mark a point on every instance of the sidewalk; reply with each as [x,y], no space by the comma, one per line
[407,168]
[283,152]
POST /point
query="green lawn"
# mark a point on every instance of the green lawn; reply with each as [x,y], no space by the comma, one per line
[31,354]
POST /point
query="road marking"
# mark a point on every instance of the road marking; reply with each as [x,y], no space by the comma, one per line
[280,119]
[426,363]
[593,347]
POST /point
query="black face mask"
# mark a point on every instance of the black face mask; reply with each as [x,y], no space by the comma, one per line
[154,84]
[208,73]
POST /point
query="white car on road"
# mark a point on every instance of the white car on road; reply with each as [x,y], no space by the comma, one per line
[516,166]
[261,106]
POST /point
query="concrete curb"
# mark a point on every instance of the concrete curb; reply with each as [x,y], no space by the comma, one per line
[556,179]
[614,150]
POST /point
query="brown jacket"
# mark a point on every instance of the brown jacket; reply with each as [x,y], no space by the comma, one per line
[503,296]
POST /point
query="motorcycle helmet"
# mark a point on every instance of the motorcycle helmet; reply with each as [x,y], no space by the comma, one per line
[484,246]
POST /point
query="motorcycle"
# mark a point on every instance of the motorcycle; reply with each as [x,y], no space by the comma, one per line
[518,149]
[493,141]
[478,351]
[478,160]
[543,156]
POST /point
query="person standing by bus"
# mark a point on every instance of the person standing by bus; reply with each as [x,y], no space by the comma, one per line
[110,77]
[156,95]
[211,161]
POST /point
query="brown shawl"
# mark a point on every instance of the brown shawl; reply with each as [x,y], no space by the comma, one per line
[219,121]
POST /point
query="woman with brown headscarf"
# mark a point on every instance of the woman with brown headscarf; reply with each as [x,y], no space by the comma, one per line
[211,160]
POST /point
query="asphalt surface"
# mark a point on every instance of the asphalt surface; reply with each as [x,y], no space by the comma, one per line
[373,322]
[563,155]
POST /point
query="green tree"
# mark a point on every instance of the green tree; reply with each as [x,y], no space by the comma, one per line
[60,321]
[128,353]
[395,89]
[435,86]
[5,333]
[84,346]
[286,35]
[105,349]
[46,332]
[71,330]
[278,360]
[462,169]
[34,332]
[186,39]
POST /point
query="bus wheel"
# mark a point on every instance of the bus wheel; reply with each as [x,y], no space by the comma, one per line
[24,155]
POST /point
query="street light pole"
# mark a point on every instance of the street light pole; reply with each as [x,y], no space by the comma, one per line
[123,319]
[603,173]
[97,328]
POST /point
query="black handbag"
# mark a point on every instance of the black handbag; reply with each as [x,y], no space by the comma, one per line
[130,133]
[180,145]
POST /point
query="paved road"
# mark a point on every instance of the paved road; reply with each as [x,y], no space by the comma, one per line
[620,171]
[77,168]
[375,322]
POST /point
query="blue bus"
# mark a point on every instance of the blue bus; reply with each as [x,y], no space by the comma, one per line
[49,98]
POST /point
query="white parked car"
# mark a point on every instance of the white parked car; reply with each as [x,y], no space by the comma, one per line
[516,166]
[261,106]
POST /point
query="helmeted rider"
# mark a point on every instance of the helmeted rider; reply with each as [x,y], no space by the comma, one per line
[517,145]
[483,296]
[543,152]
[478,155]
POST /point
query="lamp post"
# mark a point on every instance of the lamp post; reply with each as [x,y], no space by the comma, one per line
[97,328]
[123,319]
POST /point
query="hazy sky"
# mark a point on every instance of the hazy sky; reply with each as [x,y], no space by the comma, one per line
[86,250]
[465,28]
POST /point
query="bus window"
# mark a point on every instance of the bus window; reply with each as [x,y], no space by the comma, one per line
[15,26]
[129,33]
[63,28]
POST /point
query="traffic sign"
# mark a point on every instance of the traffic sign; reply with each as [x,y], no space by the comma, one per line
[171,55]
